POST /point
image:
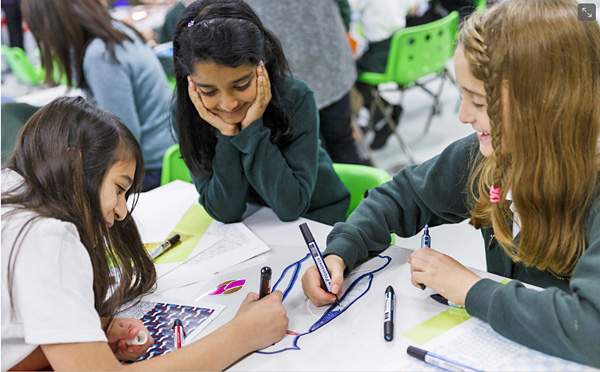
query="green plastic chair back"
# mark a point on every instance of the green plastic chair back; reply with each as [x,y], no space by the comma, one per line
[174,167]
[20,65]
[416,52]
[480,4]
[359,179]
[25,71]
[14,116]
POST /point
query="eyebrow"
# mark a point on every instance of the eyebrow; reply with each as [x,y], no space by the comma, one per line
[245,77]
[473,92]
[127,179]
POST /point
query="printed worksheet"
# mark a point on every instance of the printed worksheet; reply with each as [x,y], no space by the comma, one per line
[476,344]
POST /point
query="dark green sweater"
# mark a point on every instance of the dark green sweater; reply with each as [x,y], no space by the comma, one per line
[562,320]
[294,180]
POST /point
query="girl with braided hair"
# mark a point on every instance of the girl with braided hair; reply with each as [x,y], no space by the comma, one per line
[247,130]
[529,72]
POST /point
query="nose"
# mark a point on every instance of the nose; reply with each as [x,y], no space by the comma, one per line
[121,209]
[228,103]
[465,114]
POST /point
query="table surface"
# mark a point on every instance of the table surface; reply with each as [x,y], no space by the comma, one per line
[353,340]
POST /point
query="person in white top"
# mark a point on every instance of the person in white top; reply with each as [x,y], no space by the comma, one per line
[65,227]
[380,19]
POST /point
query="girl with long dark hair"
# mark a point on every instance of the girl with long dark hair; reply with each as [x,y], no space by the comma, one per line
[66,228]
[112,64]
[247,130]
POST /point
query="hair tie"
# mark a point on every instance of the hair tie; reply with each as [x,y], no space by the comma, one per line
[190,23]
[495,194]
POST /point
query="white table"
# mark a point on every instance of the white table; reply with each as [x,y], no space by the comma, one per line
[354,340]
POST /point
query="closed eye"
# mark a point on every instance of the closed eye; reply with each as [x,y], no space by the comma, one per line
[243,86]
[209,94]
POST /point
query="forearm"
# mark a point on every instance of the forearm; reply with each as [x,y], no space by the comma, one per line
[223,193]
[284,181]
[553,321]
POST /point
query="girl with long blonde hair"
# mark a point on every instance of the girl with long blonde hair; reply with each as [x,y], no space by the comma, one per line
[529,72]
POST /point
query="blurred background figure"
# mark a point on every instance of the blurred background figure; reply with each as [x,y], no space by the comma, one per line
[313,36]
[111,63]
[12,11]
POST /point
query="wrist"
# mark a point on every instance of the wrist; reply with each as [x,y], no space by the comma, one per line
[334,259]
[230,132]
[469,283]
[236,330]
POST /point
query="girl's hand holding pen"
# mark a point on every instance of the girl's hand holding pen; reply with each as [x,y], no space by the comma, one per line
[441,273]
[312,284]
[261,322]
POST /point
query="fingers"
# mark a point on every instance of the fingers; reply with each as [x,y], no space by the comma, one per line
[266,83]
[311,284]
[276,296]
[194,95]
[419,277]
[336,268]
[251,297]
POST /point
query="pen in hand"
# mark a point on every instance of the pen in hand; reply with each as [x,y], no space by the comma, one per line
[265,282]
[425,243]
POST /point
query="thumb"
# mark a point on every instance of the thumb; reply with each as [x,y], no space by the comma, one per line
[117,333]
[251,297]
[337,278]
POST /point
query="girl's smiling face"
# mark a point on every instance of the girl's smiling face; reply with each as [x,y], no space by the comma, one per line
[227,92]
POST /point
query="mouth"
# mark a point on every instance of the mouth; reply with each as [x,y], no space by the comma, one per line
[231,113]
[482,135]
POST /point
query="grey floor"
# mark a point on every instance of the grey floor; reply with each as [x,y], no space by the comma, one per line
[460,241]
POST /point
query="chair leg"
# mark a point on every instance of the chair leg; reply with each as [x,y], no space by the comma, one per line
[390,122]
[436,108]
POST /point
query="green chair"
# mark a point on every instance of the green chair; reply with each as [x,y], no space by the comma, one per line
[25,71]
[480,4]
[14,116]
[415,53]
[174,167]
[359,179]
[20,65]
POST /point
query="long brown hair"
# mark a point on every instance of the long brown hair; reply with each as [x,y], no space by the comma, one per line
[546,150]
[63,30]
[63,153]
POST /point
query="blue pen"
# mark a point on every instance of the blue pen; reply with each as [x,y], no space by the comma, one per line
[425,243]
[438,360]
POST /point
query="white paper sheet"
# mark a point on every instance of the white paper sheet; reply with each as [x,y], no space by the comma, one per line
[232,244]
[477,345]
[158,211]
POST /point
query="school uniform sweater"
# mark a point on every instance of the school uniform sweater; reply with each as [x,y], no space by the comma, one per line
[296,179]
[562,320]
[134,87]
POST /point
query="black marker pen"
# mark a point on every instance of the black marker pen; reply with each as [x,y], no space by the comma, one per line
[388,316]
[265,282]
[316,255]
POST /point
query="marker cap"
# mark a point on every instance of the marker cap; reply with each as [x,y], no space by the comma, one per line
[416,352]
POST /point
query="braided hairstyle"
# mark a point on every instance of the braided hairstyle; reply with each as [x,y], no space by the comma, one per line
[541,72]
